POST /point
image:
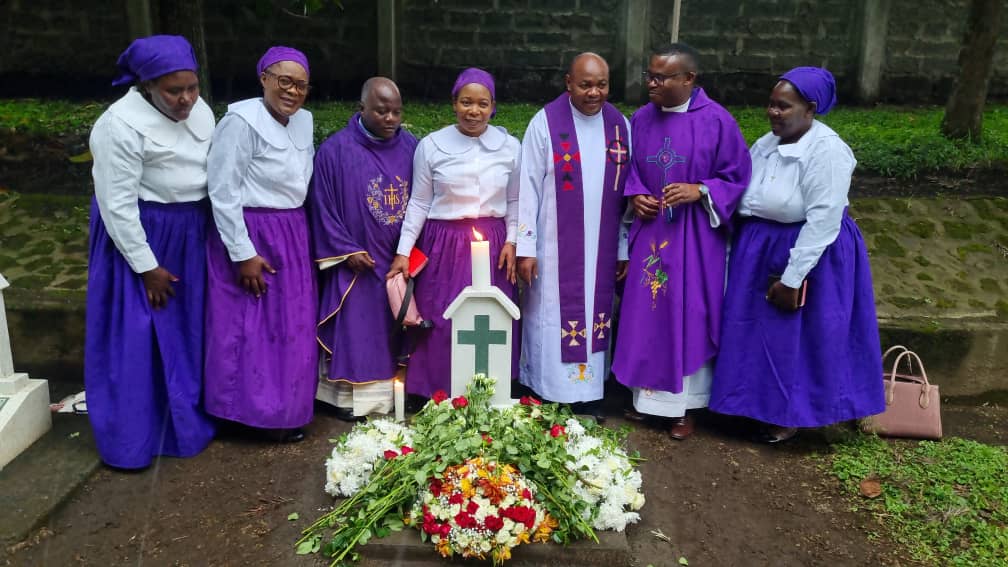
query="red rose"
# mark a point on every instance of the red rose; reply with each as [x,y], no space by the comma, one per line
[460,402]
[406,449]
[445,529]
[465,520]
[439,396]
[455,498]
[472,507]
[390,454]
[436,487]
[529,401]
[557,430]
[487,439]
[526,494]
[493,523]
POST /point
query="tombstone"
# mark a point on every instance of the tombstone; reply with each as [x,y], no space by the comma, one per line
[24,403]
[482,317]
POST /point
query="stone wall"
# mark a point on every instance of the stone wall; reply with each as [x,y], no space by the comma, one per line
[527,44]
[69,47]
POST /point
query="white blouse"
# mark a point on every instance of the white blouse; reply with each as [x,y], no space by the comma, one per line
[256,161]
[804,181]
[141,154]
[458,177]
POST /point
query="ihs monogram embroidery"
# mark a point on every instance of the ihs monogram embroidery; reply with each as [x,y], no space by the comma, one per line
[655,279]
[387,204]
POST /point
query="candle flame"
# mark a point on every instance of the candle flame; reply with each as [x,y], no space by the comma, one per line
[477,234]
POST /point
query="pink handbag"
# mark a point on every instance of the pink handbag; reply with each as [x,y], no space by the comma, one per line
[913,405]
[404,309]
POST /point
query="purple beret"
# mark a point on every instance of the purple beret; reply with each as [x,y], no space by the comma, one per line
[152,57]
[279,53]
[815,85]
[478,76]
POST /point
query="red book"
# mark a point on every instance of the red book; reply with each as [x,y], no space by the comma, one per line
[417,261]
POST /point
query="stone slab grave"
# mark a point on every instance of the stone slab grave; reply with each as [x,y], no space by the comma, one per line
[24,403]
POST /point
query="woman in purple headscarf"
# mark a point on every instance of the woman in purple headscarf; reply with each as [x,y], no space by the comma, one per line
[143,350]
[799,337]
[465,177]
[261,361]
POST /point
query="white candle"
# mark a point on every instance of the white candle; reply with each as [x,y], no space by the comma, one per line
[399,397]
[480,250]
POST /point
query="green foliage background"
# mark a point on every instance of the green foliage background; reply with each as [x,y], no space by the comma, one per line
[892,141]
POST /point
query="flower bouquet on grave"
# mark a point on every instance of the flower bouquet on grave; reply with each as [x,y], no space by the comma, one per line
[577,476]
[480,508]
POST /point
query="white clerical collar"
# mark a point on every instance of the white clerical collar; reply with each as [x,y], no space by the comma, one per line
[450,141]
[298,130]
[137,113]
[680,108]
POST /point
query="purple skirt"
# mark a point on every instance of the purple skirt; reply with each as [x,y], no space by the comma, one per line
[819,365]
[448,272]
[261,354]
[143,367]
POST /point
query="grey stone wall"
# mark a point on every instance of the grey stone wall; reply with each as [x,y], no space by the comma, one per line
[526,44]
[69,47]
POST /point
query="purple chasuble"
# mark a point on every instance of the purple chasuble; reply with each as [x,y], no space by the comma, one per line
[356,203]
[570,226]
[671,310]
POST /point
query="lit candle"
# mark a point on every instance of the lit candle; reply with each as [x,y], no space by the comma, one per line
[399,397]
[480,261]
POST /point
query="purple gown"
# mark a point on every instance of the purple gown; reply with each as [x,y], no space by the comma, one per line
[671,311]
[356,202]
[143,367]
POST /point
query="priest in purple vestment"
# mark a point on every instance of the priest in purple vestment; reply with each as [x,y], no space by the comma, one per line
[689,168]
[356,203]
[571,241]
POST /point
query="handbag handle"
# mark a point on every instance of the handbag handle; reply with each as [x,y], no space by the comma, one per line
[925,395]
[404,308]
[889,350]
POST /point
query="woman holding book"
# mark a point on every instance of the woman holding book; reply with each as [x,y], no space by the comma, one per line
[465,178]
[799,336]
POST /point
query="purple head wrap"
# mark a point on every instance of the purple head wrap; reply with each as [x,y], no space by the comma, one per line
[152,57]
[815,85]
[279,53]
[478,76]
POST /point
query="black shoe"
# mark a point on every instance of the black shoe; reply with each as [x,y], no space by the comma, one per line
[295,435]
[774,435]
[415,403]
[347,414]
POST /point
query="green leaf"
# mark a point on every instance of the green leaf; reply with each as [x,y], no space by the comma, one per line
[293,516]
[683,560]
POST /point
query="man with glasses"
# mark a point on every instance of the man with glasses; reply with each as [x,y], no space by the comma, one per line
[356,204]
[575,157]
[689,169]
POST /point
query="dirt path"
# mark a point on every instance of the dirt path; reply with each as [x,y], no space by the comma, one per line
[721,499]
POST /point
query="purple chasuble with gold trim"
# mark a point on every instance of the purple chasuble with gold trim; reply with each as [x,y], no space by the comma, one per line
[574,330]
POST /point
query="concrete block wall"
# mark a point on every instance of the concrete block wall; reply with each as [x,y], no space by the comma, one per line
[527,44]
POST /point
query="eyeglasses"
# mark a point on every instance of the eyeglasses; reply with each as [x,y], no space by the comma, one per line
[659,78]
[286,82]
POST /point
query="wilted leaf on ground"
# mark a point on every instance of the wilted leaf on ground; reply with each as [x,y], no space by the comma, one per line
[871,488]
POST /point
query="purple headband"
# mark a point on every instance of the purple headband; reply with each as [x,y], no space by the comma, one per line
[152,57]
[279,53]
[478,76]
[815,85]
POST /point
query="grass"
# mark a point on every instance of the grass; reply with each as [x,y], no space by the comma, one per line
[945,502]
[891,141]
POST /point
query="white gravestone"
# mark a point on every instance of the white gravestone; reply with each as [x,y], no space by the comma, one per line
[24,403]
[481,317]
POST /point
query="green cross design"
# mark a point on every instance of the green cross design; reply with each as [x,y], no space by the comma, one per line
[482,337]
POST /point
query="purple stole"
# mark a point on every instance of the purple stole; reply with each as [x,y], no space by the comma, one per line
[570,227]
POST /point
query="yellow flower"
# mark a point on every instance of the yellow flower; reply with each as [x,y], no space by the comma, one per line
[444,548]
[501,554]
[545,529]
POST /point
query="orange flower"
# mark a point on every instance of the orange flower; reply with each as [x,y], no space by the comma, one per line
[501,554]
[444,547]
[545,529]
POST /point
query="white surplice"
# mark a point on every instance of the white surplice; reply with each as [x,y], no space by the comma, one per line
[542,368]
